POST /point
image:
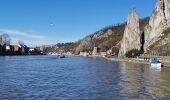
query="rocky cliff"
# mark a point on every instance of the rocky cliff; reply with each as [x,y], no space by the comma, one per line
[162,45]
[104,38]
[132,34]
[151,34]
[107,38]
[159,22]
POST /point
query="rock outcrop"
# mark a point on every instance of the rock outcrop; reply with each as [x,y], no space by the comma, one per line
[162,45]
[159,22]
[131,38]
[105,38]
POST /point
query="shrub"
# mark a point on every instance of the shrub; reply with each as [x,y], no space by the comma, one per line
[167,53]
[133,53]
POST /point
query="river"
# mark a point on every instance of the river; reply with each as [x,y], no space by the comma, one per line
[75,78]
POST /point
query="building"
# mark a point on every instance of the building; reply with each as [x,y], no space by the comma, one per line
[84,54]
[103,54]
[7,48]
[96,51]
[31,50]
[16,48]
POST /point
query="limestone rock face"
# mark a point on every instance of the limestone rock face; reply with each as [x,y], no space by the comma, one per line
[131,38]
[159,21]
[167,10]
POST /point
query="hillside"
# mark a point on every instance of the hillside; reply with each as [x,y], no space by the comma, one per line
[162,45]
[107,37]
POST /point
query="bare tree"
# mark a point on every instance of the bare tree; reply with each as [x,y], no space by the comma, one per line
[21,43]
[5,39]
[1,40]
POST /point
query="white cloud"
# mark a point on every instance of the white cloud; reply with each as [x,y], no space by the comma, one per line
[29,39]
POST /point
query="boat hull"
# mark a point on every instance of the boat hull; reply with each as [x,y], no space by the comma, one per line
[157,65]
[62,56]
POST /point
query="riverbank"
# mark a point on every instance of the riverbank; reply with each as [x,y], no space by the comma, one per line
[15,54]
[165,60]
[131,60]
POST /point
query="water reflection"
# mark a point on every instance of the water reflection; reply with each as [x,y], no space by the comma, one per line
[48,77]
[141,81]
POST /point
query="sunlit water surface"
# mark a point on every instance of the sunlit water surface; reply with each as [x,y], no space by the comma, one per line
[52,78]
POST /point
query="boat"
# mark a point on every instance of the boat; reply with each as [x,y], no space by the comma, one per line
[62,56]
[155,63]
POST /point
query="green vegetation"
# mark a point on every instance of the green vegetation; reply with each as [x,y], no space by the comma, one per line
[151,47]
[165,33]
[156,44]
[133,53]
[162,46]
[167,53]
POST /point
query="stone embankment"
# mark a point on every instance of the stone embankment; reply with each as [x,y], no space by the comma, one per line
[166,61]
[140,60]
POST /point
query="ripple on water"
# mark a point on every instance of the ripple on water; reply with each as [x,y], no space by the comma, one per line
[48,77]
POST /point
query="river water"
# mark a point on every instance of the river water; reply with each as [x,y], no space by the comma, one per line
[75,78]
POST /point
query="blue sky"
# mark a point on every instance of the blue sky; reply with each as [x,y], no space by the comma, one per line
[39,22]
